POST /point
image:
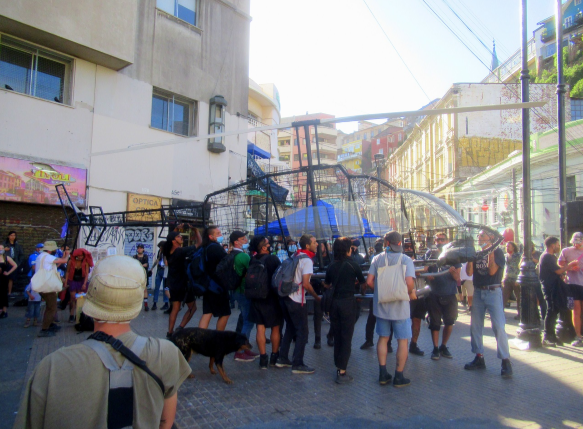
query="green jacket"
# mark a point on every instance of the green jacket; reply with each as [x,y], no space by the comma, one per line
[241,265]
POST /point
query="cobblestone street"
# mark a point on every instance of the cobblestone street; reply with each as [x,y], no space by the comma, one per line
[546,391]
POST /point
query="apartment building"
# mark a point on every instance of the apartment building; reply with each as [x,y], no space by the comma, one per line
[81,82]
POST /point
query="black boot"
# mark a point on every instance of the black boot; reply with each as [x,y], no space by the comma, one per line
[506,369]
[477,363]
[400,380]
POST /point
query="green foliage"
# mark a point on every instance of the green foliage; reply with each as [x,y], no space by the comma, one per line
[577,90]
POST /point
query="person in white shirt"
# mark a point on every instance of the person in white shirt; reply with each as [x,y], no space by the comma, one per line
[467,286]
[295,311]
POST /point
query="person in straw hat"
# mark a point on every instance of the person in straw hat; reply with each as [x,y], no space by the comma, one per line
[112,388]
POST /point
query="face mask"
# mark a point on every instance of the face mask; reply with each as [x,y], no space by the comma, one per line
[270,249]
[245,246]
[220,239]
[292,248]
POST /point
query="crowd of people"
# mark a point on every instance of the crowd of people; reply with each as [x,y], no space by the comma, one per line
[115,292]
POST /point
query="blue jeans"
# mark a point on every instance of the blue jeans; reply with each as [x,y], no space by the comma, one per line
[33,310]
[492,301]
[159,281]
[244,306]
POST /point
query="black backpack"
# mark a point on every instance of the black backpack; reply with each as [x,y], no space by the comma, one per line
[256,279]
[197,278]
[226,272]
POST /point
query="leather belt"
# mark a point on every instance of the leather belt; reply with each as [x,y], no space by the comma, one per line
[488,287]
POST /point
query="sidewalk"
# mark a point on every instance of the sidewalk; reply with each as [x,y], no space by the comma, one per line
[546,391]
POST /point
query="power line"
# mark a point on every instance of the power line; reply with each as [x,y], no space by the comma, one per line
[394,47]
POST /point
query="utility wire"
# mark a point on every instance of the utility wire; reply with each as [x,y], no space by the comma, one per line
[394,47]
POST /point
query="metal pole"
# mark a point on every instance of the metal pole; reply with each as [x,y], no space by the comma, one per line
[317,143]
[515,207]
[312,188]
[561,128]
[529,325]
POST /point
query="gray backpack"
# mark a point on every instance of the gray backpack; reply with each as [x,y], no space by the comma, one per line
[120,401]
[283,279]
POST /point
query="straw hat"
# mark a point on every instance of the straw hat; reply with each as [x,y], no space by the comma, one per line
[116,290]
[50,246]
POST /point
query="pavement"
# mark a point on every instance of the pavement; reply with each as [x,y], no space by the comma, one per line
[546,390]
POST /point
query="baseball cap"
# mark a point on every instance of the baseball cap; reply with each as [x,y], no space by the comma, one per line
[577,238]
[235,235]
[170,237]
[39,246]
[356,242]
[140,245]
[116,290]
[394,239]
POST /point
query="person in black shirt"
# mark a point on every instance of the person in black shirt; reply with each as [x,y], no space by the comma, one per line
[342,275]
[550,278]
[215,301]
[266,313]
[177,280]
[487,272]
[355,256]
[142,258]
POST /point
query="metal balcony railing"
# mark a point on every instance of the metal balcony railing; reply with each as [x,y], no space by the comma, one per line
[510,66]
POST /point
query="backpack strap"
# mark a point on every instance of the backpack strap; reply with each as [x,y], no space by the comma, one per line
[131,358]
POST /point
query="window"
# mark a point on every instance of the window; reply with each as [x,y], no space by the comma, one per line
[571,188]
[365,135]
[381,152]
[284,142]
[284,157]
[568,21]
[304,188]
[576,109]
[29,70]
[182,9]
[172,113]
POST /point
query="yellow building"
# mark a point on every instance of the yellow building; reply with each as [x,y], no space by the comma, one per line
[351,156]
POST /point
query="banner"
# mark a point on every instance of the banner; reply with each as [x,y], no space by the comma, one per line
[34,182]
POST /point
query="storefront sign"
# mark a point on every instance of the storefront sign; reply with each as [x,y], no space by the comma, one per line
[137,202]
[34,182]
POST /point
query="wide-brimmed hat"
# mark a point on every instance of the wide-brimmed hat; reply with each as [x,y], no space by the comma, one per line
[50,246]
[116,290]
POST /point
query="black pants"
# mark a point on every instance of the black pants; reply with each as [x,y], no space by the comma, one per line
[552,313]
[343,318]
[296,318]
[541,302]
[318,313]
[371,321]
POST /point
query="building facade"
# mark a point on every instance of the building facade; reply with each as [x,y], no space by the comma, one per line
[83,85]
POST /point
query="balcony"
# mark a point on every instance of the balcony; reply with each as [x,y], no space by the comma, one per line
[546,36]
[102,32]
[511,66]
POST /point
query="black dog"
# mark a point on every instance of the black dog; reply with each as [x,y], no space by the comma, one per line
[211,343]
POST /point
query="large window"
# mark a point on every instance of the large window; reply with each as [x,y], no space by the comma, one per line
[29,70]
[173,113]
[186,10]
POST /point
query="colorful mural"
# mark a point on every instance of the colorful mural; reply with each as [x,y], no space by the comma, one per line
[34,182]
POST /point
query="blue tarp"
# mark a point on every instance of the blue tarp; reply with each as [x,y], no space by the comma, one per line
[298,217]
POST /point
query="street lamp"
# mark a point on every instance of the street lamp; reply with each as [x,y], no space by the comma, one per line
[217,108]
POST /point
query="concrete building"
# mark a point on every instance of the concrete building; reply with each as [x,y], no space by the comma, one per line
[384,143]
[443,150]
[83,81]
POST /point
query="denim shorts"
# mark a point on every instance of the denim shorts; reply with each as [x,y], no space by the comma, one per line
[401,328]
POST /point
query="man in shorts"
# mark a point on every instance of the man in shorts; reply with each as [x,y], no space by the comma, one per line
[442,302]
[575,280]
[392,315]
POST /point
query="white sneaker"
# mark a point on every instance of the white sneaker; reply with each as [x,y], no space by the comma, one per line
[578,342]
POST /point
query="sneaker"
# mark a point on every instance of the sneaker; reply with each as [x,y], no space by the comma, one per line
[343,378]
[146,308]
[302,369]
[401,381]
[54,328]
[367,345]
[444,351]
[263,360]
[168,334]
[164,307]
[326,318]
[168,311]
[242,357]
[548,343]
[330,341]
[435,354]
[71,319]
[273,359]
[27,324]
[178,328]
[154,307]
[385,379]
[477,363]
[46,333]
[578,342]
[559,342]
[282,362]
[317,344]
[251,354]
[414,349]
[267,341]
[506,369]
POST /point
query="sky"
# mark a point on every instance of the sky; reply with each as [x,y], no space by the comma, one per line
[331,55]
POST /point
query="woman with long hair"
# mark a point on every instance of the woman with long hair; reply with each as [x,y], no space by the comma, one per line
[511,272]
[7,267]
[77,278]
[343,274]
